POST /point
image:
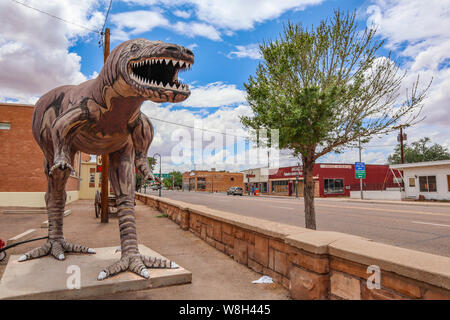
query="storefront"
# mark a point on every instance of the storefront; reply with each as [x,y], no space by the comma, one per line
[211,181]
[330,179]
[257,178]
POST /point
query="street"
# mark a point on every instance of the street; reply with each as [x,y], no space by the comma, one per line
[417,227]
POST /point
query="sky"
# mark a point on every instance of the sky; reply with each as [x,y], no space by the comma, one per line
[39,52]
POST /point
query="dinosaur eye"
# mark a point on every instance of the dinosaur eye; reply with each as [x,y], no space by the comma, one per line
[134,48]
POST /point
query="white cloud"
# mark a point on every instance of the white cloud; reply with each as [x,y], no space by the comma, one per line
[249,51]
[231,15]
[136,22]
[193,29]
[419,31]
[182,14]
[34,47]
[214,95]
[242,15]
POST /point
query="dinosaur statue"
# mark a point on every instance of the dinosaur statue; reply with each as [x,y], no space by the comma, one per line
[102,116]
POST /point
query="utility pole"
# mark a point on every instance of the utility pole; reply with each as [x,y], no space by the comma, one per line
[360,180]
[401,145]
[105,160]
[160,175]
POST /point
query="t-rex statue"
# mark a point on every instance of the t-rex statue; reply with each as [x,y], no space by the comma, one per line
[102,116]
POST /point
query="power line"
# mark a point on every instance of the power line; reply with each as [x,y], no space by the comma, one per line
[56,17]
[195,128]
[100,42]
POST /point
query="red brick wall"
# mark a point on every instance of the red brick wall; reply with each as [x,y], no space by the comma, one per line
[308,271]
[21,163]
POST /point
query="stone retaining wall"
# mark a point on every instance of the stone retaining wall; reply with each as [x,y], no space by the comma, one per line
[313,264]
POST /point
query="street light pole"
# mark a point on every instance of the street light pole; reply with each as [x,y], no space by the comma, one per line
[160,175]
[360,180]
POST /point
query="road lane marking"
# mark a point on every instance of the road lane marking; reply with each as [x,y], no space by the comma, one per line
[278,207]
[386,210]
[432,224]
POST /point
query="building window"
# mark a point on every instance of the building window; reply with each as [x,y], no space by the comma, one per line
[280,186]
[201,184]
[5,126]
[232,179]
[333,186]
[427,183]
[264,187]
[412,182]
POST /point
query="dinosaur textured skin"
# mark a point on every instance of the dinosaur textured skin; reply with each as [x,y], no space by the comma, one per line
[102,116]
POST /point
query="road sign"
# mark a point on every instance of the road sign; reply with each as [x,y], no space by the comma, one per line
[360,170]
[360,174]
[360,166]
[164,175]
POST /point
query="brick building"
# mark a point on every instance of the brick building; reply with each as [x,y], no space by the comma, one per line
[330,179]
[21,165]
[209,181]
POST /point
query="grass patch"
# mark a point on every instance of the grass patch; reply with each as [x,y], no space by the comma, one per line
[162,215]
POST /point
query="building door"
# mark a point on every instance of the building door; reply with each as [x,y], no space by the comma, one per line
[290,188]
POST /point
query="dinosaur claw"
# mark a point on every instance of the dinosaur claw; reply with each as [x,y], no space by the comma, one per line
[102,275]
[91,251]
[145,274]
[22,258]
[61,257]
[173,265]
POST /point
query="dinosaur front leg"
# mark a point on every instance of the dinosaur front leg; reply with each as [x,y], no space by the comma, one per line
[142,136]
[55,199]
[121,175]
[62,131]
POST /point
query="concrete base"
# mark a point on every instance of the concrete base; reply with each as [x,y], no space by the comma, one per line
[47,278]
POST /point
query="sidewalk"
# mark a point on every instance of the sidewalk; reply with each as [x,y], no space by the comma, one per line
[214,275]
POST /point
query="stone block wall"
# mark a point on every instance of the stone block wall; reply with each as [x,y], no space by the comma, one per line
[314,264]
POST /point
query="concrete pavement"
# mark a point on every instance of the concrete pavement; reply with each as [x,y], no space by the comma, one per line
[214,274]
[424,228]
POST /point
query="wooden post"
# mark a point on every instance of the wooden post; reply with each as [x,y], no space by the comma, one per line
[105,160]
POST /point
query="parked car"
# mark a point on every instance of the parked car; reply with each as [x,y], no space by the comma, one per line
[235,191]
[156,187]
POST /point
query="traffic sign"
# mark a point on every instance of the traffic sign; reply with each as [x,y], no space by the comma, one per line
[360,166]
[360,170]
[164,175]
[360,174]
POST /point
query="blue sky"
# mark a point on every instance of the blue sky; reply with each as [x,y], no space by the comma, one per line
[38,53]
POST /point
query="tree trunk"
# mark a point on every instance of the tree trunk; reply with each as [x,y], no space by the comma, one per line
[308,192]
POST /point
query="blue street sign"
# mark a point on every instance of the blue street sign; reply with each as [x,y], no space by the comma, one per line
[360,166]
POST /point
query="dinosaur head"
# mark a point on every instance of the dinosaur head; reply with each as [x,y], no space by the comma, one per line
[150,69]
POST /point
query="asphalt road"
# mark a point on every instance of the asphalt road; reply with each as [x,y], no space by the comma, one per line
[415,227]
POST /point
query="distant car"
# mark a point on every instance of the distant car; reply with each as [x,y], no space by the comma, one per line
[155,187]
[235,191]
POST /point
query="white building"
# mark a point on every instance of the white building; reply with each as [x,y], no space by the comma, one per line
[430,180]
[257,178]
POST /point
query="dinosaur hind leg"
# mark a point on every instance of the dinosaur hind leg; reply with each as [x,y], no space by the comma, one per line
[121,175]
[55,199]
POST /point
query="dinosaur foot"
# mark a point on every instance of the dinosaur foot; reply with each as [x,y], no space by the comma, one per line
[55,248]
[62,165]
[138,264]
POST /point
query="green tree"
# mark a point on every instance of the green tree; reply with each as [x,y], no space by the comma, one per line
[323,89]
[177,180]
[419,152]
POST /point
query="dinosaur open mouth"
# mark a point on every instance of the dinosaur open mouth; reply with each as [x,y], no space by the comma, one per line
[159,73]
